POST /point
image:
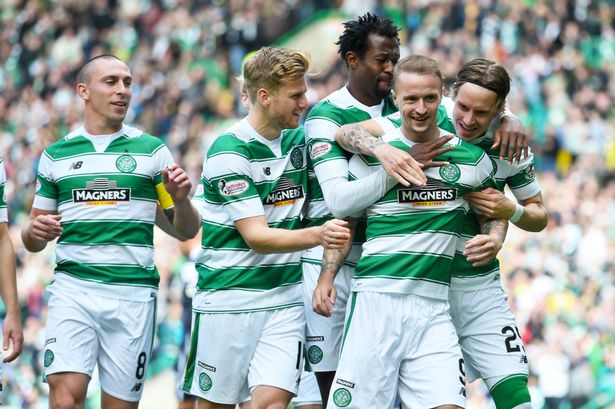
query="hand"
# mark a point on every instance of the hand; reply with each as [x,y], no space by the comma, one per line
[400,165]
[481,249]
[491,203]
[426,151]
[13,336]
[324,296]
[46,227]
[511,138]
[176,182]
[334,234]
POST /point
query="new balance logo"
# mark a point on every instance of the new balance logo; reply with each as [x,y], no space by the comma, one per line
[76,165]
[267,171]
[137,387]
[462,391]
[523,359]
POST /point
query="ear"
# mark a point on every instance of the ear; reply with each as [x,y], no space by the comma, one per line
[83,92]
[394,95]
[263,97]
[352,59]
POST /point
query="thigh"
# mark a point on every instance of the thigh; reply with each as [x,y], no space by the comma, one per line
[367,373]
[126,335]
[490,340]
[278,356]
[221,349]
[433,375]
[324,334]
[71,342]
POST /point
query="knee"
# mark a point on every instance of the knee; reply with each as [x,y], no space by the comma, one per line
[65,401]
[276,405]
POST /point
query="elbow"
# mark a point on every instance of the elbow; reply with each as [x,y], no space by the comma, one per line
[338,210]
[258,245]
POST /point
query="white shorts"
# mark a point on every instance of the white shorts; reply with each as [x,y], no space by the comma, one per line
[84,329]
[323,335]
[490,341]
[231,354]
[309,393]
[398,342]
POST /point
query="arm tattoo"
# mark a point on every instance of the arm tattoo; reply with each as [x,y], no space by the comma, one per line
[357,140]
[332,261]
[497,226]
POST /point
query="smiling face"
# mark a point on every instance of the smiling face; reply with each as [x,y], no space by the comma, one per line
[418,97]
[107,92]
[286,105]
[475,108]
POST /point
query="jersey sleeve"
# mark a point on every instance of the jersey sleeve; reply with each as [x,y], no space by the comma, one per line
[3,206]
[162,159]
[389,123]
[484,173]
[522,181]
[228,180]
[46,196]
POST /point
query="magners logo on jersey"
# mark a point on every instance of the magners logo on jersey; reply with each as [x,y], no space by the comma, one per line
[433,194]
[285,193]
[101,192]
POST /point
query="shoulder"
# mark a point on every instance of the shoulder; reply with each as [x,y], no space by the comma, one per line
[465,152]
[229,143]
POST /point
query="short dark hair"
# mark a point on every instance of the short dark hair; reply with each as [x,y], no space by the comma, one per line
[484,73]
[85,72]
[417,64]
[356,32]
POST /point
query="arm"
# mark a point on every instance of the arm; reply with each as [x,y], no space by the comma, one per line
[44,226]
[267,240]
[325,293]
[11,328]
[529,214]
[403,166]
[484,247]
[184,220]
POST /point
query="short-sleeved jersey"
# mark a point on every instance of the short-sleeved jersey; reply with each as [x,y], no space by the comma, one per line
[107,199]
[412,231]
[323,120]
[246,175]
[3,211]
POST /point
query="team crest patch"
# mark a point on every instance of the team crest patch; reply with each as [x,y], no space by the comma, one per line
[126,164]
[319,149]
[205,382]
[450,173]
[342,397]
[314,354]
[48,359]
[232,187]
[296,158]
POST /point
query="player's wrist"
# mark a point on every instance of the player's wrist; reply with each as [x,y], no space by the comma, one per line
[517,214]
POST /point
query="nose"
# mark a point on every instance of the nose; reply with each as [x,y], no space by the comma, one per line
[420,106]
[303,102]
[389,66]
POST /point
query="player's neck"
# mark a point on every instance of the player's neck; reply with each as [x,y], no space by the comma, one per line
[100,126]
[361,94]
[427,136]
[263,126]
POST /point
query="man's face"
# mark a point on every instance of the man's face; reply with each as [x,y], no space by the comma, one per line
[108,91]
[475,108]
[288,103]
[375,69]
[418,97]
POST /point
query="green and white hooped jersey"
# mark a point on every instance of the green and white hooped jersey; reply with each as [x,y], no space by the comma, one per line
[107,189]
[246,175]
[521,180]
[3,211]
[330,161]
[412,232]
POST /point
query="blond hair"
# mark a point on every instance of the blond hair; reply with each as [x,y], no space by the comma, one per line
[272,66]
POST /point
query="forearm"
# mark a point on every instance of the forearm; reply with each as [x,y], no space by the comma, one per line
[345,198]
[8,284]
[496,228]
[356,139]
[534,217]
[333,259]
[30,243]
[274,240]
[186,219]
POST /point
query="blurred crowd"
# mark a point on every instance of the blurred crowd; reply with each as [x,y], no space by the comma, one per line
[186,56]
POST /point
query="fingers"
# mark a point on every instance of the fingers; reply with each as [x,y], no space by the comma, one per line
[16,339]
[323,300]
[335,234]
[480,250]
[442,140]
[511,149]
[497,138]
[47,227]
